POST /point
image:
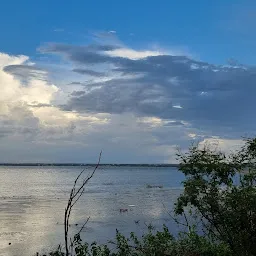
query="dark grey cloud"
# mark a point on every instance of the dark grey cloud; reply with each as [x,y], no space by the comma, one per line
[89,72]
[212,97]
[118,96]
[77,93]
[91,54]
[75,83]
[68,48]
[25,71]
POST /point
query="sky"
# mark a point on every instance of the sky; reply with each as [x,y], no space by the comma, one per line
[135,79]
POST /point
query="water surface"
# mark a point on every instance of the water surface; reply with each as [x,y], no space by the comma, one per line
[33,201]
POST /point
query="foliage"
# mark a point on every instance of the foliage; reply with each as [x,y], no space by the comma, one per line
[160,243]
[221,191]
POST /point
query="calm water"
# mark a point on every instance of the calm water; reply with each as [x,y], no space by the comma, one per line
[33,201]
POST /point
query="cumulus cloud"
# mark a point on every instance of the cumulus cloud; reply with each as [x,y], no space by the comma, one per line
[16,116]
[26,103]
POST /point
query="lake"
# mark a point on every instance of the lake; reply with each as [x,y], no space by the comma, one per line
[33,201]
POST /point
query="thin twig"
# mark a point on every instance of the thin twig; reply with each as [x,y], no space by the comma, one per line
[175,219]
[74,196]
[83,226]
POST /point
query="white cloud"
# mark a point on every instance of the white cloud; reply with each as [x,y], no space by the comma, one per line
[28,106]
[12,89]
[177,106]
[225,145]
[152,121]
[6,59]
[192,135]
[133,54]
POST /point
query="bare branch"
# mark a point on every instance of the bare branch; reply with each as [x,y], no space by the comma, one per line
[74,196]
[175,219]
[83,226]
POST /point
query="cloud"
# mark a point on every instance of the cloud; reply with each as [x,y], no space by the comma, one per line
[6,60]
[33,128]
[106,37]
[25,71]
[225,145]
[177,87]
[136,105]
[122,95]
[158,122]
[88,72]
[133,54]
[16,117]
[27,107]
[91,54]
[77,93]
[211,98]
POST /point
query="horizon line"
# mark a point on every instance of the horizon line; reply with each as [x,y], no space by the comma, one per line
[85,164]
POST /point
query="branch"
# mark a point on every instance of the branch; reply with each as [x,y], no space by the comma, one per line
[74,196]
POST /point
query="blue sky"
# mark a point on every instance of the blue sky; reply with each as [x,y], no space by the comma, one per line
[136,78]
[214,30]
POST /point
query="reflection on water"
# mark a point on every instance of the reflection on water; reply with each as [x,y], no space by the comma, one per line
[33,202]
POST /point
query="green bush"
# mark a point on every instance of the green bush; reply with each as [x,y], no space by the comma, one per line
[159,243]
[221,191]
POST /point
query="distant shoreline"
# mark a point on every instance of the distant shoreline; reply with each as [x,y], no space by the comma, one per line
[88,165]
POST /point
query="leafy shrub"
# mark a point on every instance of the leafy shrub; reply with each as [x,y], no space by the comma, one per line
[159,243]
[221,191]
